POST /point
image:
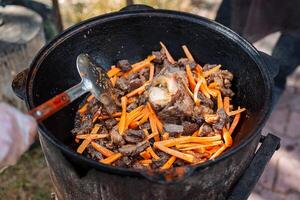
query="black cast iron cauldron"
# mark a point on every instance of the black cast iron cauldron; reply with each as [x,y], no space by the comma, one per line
[132,34]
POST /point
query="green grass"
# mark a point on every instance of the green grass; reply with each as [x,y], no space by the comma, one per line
[28,179]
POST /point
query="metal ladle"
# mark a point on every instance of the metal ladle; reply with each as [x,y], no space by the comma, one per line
[94,80]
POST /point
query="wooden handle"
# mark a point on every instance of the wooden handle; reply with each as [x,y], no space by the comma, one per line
[50,107]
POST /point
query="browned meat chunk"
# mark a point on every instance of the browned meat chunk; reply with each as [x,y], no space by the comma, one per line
[222,120]
[92,153]
[132,150]
[159,57]
[163,157]
[226,92]
[131,106]
[182,62]
[206,130]
[173,129]
[115,136]
[124,65]
[124,161]
[135,83]
[134,136]
[189,128]
[208,66]
[110,123]
[122,83]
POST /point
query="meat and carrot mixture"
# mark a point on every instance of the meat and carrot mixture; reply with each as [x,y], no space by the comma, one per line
[166,113]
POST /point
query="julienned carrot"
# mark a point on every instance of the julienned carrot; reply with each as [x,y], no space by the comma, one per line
[219,98]
[169,57]
[113,71]
[169,163]
[83,145]
[151,73]
[165,136]
[95,129]
[122,122]
[103,117]
[140,65]
[83,109]
[153,127]
[152,153]
[196,90]
[218,152]
[213,85]
[104,151]
[181,146]
[187,157]
[111,159]
[133,115]
[145,155]
[227,137]
[146,132]
[92,136]
[234,123]
[198,69]
[187,53]
[146,161]
[138,90]
[190,77]
[226,104]
[90,98]
[234,112]
[215,143]
[152,135]
[113,80]
[188,90]
[144,118]
[187,139]
[131,100]
[158,123]
[211,71]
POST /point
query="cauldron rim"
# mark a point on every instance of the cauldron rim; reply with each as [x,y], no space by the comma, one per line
[243,43]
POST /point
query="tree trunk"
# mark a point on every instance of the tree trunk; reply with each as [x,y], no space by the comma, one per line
[21,36]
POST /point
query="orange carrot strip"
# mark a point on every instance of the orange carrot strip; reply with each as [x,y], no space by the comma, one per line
[145,155]
[213,85]
[188,90]
[103,117]
[152,153]
[138,90]
[226,104]
[169,57]
[187,139]
[215,143]
[196,90]
[157,121]
[187,53]
[187,157]
[169,163]
[106,152]
[219,100]
[111,159]
[147,60]
[92,136]
[151,73]
[181,146]
[113,80]
[146,132]
[83,145]
[113,71]
[218,152]
[211,71]
[165,136]
[153,127]
[152,135]
[133,115]
[90,98]
[190,77]
[146,161]
[227,137]
[131,100]
[239,110]
[95,129]
[198,69]
[234,123]
[145,117]
[83,109]
[122,122]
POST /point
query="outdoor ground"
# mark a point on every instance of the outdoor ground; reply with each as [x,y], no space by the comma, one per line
[29,179]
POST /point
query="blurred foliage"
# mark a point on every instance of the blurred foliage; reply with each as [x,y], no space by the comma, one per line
[74,11]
